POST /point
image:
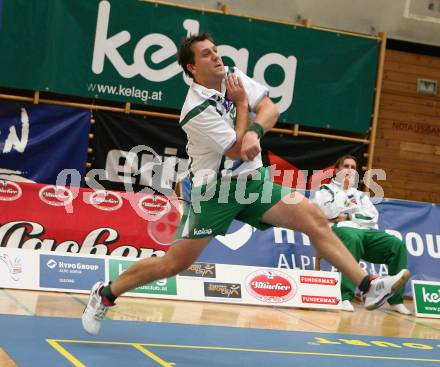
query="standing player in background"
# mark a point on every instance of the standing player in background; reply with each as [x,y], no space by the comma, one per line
[355,223]
[224,116]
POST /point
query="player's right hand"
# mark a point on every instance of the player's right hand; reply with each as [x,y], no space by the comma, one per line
[346,183]
[235,90]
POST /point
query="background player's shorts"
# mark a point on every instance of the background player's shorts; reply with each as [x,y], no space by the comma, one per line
[243,199]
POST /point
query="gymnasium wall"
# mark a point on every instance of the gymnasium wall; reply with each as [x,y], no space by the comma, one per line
[408,137]
[409,20]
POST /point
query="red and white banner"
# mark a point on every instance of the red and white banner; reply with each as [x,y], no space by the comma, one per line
[78,220]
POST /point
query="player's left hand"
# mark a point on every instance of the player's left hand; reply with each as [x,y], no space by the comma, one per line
[250,146]
[340,218]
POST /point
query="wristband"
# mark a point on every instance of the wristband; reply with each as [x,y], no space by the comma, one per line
[255,126]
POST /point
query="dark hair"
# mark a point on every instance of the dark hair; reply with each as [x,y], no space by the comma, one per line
[341,160]
[185,55]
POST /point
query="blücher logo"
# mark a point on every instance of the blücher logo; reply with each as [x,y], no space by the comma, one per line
[106,200]
[155,206]
[9,190]
[202,231]
[56,195]
[51,264]
[271,286]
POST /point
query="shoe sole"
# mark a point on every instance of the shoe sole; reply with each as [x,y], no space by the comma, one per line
[395,287]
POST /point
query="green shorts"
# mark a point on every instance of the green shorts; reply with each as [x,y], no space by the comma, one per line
[214,207]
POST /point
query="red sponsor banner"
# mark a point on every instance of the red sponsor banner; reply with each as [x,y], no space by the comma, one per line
[80,220]
[318,280]
[322,300]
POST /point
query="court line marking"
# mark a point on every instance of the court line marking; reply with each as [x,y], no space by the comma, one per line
[54,343]
[153,356]
[72,359]
[285,352]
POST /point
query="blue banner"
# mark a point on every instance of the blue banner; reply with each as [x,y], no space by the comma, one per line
[70,272]
[38,141]
[417,224]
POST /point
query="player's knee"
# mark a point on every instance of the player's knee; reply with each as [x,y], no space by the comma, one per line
[318,218]
[317,224]
[174,266]
[169,269]
[397,244]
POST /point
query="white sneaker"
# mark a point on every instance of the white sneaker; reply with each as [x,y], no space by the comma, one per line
[400,308]
[347,306]
[95,311]
[383,288]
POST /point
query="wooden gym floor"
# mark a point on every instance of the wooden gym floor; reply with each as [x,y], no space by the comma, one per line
[377,323]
